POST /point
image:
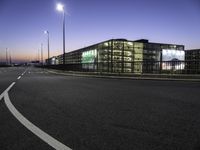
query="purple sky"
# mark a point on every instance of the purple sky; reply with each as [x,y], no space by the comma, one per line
[22,23]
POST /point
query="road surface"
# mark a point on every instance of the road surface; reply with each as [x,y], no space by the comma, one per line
[85,113]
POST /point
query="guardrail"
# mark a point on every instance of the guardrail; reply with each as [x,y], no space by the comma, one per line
[141,67]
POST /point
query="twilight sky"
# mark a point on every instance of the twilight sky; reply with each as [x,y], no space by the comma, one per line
[22,23]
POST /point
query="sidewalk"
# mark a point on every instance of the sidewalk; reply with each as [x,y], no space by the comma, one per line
[166,77]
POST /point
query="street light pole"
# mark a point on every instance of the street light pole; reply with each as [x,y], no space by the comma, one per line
[42,54]
[47,32]
[60,8]
[10,59]
[6,56]
[63,37]
[38,55]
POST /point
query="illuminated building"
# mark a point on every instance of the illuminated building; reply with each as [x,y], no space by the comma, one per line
[123,56]
[192,58]
[53,60]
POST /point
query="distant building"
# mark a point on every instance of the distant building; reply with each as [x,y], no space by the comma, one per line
[3,63]
[123,56]
[192,58]
[52,61]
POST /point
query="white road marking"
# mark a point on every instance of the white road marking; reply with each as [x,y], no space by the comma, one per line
[1,96]
[41,72]
[37,131]
[18,77]
[23,72]
[6,91]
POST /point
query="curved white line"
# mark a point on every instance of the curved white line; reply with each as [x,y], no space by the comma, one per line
[2,94]
[37,131]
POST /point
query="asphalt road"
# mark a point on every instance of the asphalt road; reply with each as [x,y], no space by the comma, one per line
[7,76]
[99,114]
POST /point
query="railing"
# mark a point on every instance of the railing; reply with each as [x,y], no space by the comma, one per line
[152,67]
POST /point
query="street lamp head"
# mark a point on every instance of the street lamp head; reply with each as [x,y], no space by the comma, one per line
[46,32]
[60,7]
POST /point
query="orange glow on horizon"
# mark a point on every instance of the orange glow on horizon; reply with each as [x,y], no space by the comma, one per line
[24,57]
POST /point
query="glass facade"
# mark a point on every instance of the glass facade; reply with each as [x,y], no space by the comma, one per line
[153,61]
[192,58]
[119,56]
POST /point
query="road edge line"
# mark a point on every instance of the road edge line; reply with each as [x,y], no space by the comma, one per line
[30,126]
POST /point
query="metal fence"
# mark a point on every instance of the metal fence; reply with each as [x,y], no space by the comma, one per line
[152,67]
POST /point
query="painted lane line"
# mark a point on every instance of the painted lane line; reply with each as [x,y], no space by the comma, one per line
[34,129]
[18,77]
[41,134]
[8,89]
[23,72]
[2,94]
